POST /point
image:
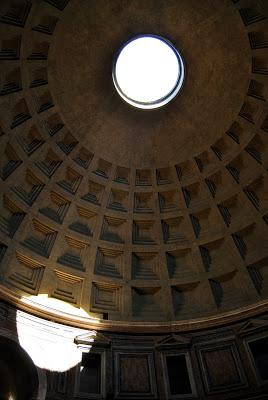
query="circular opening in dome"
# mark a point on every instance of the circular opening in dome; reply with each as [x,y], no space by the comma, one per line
[148,72]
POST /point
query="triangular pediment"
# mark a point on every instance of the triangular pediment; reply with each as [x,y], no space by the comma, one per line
[92,338]
[173,341]
[251,325]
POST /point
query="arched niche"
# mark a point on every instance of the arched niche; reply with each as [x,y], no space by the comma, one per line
[19,376]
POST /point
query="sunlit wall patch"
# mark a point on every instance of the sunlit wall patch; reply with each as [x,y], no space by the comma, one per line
[148,71]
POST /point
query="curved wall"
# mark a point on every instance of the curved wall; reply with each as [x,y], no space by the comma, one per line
[229,362]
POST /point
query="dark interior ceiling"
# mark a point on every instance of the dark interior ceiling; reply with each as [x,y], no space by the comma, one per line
[137,217]
[80,76]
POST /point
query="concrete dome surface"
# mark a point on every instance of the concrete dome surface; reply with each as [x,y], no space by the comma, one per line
[136,220]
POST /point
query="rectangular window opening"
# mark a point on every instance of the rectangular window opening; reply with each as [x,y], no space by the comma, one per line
[178,376]
[259,351]
[90,374]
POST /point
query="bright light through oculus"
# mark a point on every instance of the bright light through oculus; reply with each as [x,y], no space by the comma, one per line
[49,344]
[148,72]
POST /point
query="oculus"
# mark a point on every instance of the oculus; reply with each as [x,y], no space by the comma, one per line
[148,71]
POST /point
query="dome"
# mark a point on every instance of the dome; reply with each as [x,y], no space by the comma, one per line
[136,220]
